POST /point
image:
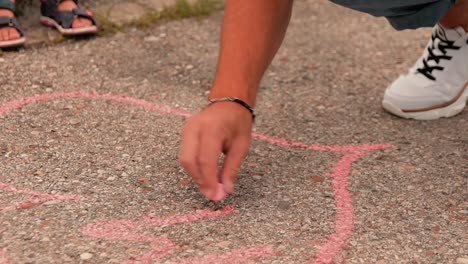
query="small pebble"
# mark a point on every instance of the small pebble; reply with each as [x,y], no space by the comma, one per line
[151,39]
[317,178]
[463,260]
[53,202]
[284,205]
[27,205]
[224,244]
[86,256]
[39,173]
[74,121]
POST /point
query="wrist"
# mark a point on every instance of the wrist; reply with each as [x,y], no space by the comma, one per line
[235,100]
[246,93]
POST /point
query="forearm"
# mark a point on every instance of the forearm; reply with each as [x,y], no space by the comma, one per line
[252,33]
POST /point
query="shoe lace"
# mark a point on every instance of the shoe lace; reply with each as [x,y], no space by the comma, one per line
[443,46]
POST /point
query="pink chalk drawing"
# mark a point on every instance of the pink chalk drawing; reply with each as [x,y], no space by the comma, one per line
[36,198]
[3,257]
[127,230]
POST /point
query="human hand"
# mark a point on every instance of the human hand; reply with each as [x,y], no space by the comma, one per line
[223,127]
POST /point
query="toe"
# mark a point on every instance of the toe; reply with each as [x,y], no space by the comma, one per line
[13,34]
[81,22]
[87,22]
[4,34]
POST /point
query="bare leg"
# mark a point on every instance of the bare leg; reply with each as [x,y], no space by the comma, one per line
[456,16]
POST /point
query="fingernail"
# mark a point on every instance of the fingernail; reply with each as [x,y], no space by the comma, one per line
[220,193]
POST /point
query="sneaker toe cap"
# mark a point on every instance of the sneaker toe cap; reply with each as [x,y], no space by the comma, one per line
[409,95]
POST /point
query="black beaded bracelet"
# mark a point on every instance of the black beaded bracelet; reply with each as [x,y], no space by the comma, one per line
[234,100]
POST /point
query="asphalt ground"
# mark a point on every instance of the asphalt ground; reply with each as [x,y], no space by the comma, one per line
[90,131]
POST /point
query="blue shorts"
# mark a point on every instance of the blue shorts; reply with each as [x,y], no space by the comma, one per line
[402,14]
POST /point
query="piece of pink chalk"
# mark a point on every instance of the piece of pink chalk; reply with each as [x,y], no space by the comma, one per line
[220,193]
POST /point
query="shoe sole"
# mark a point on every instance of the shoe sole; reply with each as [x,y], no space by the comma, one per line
[447,111]
[68,32]
[12,43]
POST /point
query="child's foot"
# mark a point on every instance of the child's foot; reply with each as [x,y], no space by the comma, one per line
[437,85]
[67,17]
[79,22]
[10,32]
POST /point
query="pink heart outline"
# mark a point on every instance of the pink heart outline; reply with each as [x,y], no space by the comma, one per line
[344,221]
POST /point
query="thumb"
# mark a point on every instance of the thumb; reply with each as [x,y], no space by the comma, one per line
[232,163]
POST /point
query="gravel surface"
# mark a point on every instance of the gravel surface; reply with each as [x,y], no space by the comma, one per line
[93,177]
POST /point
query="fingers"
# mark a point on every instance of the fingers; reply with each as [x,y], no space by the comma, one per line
[188,155]
[232,163]
[217,129]
[210,149]
[199,156]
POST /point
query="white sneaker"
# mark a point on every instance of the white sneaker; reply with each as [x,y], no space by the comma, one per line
[437,85]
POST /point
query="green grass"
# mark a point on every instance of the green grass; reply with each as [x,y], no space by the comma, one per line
[106,27]
[182,9]
[205,7]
